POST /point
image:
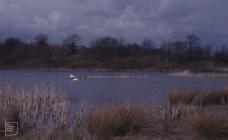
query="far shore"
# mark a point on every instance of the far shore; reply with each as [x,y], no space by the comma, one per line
[175,70]
[89,70]
[209,74]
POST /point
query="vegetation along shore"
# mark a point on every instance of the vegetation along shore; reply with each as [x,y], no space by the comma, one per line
[45,113]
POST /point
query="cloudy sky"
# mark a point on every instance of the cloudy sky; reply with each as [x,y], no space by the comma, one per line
[132,20]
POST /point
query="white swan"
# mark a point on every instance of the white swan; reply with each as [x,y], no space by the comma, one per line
[71,76]
[75,79]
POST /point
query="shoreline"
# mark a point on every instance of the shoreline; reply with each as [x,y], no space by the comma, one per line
[176,72]
[84,70]
[179,71]
[207,75]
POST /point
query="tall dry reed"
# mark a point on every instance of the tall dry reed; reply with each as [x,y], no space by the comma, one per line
[39,106]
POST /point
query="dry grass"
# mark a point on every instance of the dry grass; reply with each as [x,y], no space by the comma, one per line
[121,120]
[45,113]
[214,97]
[203,98]
[179,96]
[208,125]
[37,107]
[118,120]
[46,134]
[225,94]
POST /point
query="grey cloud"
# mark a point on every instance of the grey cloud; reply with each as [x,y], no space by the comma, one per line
[130,19]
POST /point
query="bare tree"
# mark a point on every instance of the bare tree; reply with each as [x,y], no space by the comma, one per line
[41,39]
[72,42]
[193,43]
[148,43]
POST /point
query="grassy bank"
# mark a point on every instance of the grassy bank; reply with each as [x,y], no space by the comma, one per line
[207,75]
[45,113]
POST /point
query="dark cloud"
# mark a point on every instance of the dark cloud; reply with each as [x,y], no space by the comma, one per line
[130,19]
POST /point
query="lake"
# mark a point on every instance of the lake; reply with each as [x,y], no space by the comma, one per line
[140,87]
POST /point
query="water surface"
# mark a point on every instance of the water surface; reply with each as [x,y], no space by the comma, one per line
[150,85]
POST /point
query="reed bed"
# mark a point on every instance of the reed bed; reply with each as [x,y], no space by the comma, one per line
[225,94]
[201,98]
[121,120]
[211,98]
[209,75]
[37,107]
[213,75]
[205,125]
[46,113]
[180,96]
[117,120]
[114,77]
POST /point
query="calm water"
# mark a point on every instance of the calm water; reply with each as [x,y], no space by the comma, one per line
[155,85]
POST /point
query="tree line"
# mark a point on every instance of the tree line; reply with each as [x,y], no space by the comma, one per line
[112,54]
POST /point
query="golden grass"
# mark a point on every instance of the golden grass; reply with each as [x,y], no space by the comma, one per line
[214,75]
[214,97]
[208,125]
[121,120]
[203,98]
[179,96]
[225,94]
[118,120]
